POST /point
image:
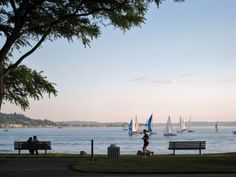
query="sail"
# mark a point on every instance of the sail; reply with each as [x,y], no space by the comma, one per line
[189,124]
[182,125]
[130,126]
[136,125]
[149,124]
[168,129]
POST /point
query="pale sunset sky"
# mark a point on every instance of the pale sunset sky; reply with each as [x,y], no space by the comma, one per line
[182,61]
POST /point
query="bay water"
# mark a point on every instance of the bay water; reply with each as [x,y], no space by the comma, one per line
[74,140]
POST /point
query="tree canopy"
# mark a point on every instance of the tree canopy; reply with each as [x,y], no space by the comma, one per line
[28,23]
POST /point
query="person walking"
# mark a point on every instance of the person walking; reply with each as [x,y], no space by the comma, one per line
[146,143]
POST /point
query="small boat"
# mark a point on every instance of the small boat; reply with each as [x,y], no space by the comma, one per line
[125,126]
[182,126]
[216,127]
[136,124]
[6,129]
[149,125]
[132,128]
[234,132]
[189,126]
[168,130]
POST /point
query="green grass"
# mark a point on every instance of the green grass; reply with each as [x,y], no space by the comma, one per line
[211,163]
[206,163]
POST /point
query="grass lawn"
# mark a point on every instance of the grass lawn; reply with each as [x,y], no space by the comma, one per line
[208,163]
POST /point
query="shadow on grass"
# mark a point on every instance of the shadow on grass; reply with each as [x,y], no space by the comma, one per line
[210,163]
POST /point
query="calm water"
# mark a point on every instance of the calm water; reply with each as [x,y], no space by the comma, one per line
[74,140]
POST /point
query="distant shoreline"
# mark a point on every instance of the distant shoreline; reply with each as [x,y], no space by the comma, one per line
[21,121]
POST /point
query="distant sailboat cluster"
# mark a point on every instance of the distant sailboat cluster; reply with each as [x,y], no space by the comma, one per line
[183,127]
[134,127]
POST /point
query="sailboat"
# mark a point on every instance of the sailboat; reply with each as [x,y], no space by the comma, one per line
[216,127]
[189,126]
[132,128]
[168,130]
[6,129]
[182,126]
[149,125]
[136,124]
[125,126]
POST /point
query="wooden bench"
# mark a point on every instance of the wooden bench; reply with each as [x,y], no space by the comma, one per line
[40,145]
[187,145]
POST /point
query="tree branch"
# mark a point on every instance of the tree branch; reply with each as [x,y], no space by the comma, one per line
[13,6]
[15,32]
[13,66]
[5,29]
[57,21]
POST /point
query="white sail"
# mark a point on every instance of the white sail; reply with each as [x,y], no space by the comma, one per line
[182,125]
[136,124]
[133,126]
[168,126]
[168,130]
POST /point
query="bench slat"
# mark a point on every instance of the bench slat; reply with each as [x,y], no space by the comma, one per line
[187,145]
[40,145]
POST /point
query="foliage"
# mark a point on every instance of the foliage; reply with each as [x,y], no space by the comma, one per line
[23,120]
[28,23]
[24,83]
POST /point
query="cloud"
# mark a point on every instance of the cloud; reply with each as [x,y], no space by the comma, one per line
[229,80]
[138,79]
[162,79]
[185,75]
[165,81]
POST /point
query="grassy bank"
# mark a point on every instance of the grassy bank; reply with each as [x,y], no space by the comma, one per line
[207,163]
[211,163]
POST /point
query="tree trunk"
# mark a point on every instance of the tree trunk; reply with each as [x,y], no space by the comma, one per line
[1,87]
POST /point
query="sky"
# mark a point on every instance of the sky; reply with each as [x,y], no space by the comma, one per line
[181,62]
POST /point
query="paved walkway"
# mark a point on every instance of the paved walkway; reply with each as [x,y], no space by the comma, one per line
[59,167]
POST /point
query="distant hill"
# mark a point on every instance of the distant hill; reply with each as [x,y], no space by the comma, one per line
[90,124]
[19,120]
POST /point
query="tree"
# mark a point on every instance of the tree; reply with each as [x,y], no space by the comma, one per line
[28,23]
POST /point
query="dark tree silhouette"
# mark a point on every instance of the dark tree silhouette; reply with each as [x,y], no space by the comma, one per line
[28,23]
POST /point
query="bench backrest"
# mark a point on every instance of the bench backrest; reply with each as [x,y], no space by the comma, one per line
[45,145]
[187,145]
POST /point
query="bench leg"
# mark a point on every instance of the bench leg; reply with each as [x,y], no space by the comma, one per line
[200,152]
[173,151]
[45,151]
[19,151]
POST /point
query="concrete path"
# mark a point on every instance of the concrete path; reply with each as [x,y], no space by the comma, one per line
[59,167]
